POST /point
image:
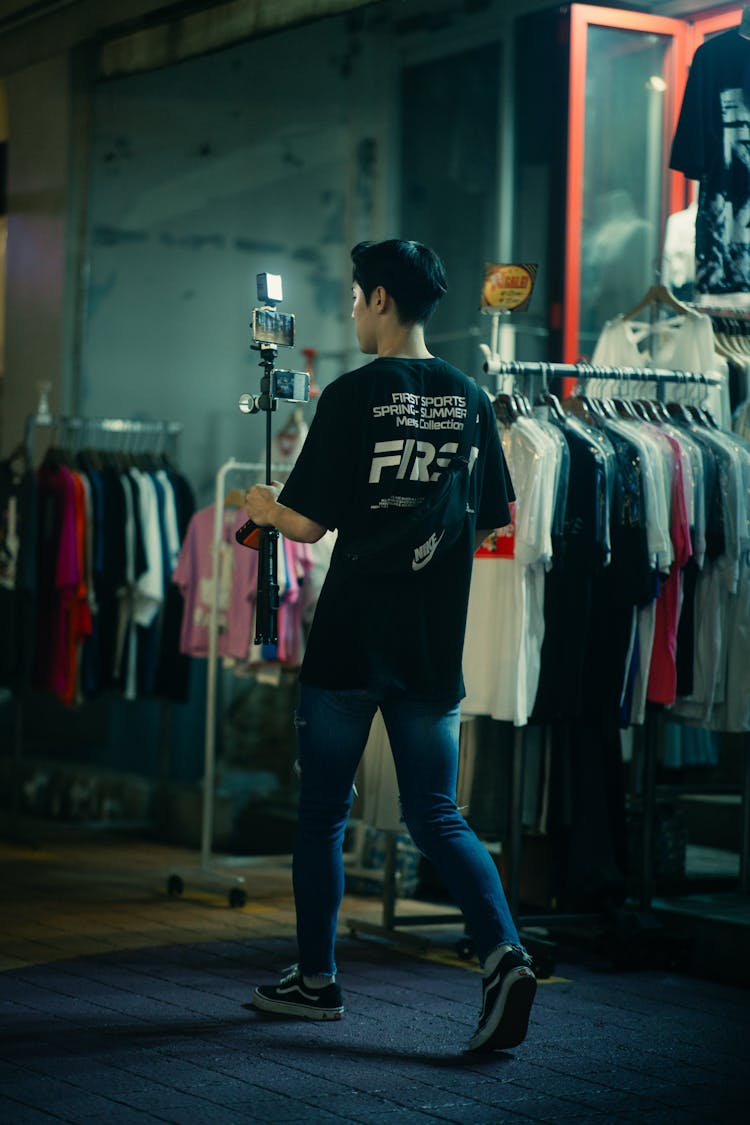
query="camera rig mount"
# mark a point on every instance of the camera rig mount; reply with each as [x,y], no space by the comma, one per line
[271,329]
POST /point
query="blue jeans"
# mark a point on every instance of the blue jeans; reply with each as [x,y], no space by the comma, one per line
[332,731]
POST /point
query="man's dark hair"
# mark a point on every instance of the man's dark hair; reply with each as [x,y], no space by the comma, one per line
[412,274]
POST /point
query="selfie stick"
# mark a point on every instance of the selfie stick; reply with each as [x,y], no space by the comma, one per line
[267,604]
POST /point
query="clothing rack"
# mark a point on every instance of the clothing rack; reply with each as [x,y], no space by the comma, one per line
[494,365]
[140,434]
[206,873]
[133,429]
[652,732]
[544,949]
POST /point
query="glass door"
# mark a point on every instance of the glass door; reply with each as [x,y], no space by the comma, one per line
[627,75]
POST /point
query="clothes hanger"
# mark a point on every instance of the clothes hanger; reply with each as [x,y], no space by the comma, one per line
[577,404]
[659,295]
[624,408]
[607,407]
[678,410]
[703,416]
[547,398]
[506,410]
[640,411]
[659,410]
[235,498]
[523,405]
[594,406]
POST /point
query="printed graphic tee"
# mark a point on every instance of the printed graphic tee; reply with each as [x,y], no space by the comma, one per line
[711,145]
[380,436]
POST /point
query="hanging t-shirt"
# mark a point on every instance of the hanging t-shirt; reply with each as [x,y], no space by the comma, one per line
[710,145]
[58,571]
[379,436]
[18,571]
[505,626]
[236,574]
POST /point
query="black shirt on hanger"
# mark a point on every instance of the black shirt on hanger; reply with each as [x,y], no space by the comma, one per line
[711,145]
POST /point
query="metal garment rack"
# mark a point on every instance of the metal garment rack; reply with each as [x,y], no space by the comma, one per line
[653,728]
[543,949]
[83,430]
[494,365]
[69,425]
[207,874]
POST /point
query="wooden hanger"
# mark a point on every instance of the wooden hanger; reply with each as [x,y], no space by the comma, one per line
[658,295]
[235,498]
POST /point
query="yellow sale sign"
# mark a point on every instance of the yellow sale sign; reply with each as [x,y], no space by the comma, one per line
[507,286]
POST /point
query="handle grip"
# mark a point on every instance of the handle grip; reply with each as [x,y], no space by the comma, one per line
[249,535]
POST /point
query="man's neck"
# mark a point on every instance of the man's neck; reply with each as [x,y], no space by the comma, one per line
[401,341]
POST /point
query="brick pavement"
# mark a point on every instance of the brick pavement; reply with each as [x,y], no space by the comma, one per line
[153,1022]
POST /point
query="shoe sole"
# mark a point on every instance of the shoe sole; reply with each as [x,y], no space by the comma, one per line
[513,1024]
[288,1008]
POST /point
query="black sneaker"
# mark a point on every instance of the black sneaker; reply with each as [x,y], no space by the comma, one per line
[508,994]
[292,997]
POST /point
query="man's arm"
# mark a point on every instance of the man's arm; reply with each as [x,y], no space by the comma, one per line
[264,509]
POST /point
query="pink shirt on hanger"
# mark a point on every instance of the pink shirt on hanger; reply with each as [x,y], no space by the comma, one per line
[238,583]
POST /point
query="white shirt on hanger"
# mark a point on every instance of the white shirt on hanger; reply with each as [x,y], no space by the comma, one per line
[505,622]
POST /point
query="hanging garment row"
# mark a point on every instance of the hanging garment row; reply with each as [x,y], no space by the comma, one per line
[621,586]
[634,514]
[90,540]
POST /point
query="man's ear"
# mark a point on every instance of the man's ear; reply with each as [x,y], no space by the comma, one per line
[379,299]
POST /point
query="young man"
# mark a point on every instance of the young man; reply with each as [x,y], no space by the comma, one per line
[380,436]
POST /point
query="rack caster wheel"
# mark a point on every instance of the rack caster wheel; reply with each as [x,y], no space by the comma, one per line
[175,885]
[237,897]
[465,949]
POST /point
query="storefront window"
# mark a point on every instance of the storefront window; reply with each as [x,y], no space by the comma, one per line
[623,173]
[449,161]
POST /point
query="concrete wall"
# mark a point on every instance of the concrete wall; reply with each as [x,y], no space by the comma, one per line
[142,208]
[38,181]
[269,156]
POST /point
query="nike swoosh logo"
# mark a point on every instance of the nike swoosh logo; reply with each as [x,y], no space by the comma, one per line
[428,558]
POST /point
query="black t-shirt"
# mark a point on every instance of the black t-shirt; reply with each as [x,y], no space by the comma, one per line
[379,435]
[711,145]
[18,530]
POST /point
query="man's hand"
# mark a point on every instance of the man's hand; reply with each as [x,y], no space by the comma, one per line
[260,503]
[263,508]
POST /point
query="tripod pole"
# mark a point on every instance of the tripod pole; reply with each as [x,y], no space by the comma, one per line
[266,628]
